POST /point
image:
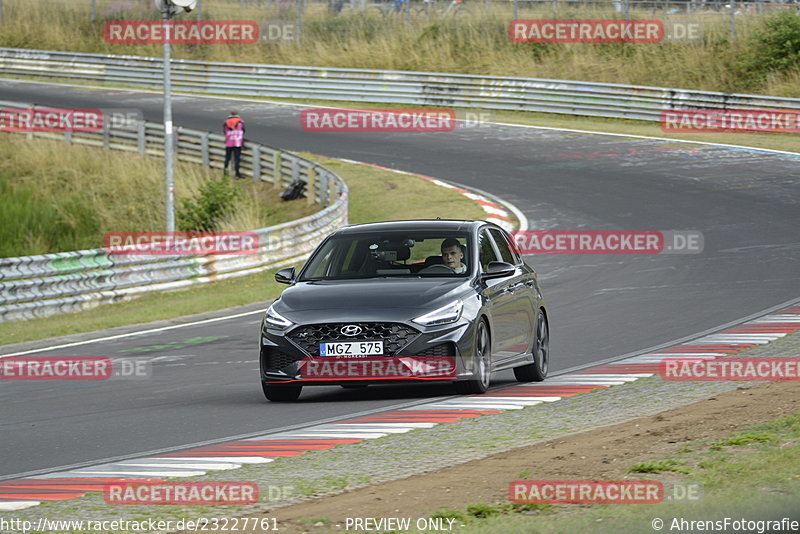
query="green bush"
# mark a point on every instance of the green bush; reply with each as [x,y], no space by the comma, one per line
[777,43]
[774,48]
[215,200]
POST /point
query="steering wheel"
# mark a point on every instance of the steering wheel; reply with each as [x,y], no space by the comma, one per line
[438,268]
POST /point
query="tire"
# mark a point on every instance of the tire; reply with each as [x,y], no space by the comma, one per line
[537,371]
[483,349]
[282,392]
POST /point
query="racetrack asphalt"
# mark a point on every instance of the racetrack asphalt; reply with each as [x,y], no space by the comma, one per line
[205,380]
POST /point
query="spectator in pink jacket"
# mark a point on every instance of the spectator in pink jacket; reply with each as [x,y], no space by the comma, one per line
[233,127]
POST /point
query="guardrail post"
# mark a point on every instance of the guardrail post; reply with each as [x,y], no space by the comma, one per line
[256,163]
[311,195]
[204,149]
[298,30]
[276,169]
[140,138]
[295,169]
[324,185]
[32,109]
[67,133]
[331,191]
[106,136]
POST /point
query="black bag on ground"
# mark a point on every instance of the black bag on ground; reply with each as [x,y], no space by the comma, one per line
[294,190]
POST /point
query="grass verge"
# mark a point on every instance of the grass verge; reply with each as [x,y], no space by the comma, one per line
[58,197]
[411,198]
[708,487]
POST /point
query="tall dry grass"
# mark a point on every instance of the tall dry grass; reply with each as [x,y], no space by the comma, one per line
[474,43]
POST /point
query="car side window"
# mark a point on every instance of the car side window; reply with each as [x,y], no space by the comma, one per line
[485,250]
[349,263]
[502,245]
[322,266]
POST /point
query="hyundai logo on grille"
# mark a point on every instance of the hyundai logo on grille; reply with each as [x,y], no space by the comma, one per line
[351,330]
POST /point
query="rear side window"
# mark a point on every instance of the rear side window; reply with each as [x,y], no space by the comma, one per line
[485,250]
[503,246]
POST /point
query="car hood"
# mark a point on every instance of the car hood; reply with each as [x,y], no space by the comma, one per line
[422,294]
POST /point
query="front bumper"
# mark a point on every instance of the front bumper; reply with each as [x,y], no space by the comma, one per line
[290,355]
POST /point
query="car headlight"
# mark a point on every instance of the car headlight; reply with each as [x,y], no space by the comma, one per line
[275,319]
[448,313]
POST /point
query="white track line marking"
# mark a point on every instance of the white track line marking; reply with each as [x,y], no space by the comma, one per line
[152,472]
[525,398]
[228,459]
[208,466]
[137,333]
[477,406]
[409,425]
[342,435]
[18,505]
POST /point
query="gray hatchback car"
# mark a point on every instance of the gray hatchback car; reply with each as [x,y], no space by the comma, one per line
[407,301]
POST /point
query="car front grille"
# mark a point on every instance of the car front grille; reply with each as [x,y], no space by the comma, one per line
[395,336]
[274,360]
[441,350]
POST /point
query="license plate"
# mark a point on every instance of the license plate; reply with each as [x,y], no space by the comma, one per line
[351,349]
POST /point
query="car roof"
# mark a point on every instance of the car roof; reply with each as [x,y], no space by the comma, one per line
[447,225]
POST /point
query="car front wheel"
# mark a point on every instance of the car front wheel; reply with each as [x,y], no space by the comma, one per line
[482,374]
[281,392]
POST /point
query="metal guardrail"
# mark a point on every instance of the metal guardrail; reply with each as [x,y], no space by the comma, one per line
[377,86]
[38,286]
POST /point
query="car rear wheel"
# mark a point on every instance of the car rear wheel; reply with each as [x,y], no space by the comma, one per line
[481,363]
[281,392]
[537,371]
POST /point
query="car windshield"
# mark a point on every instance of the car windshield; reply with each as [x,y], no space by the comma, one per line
[390,254]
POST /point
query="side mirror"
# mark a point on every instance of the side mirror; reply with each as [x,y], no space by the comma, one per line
[285,276]
[498,269]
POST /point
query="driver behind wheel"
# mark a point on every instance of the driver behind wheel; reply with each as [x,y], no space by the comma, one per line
[452,254]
